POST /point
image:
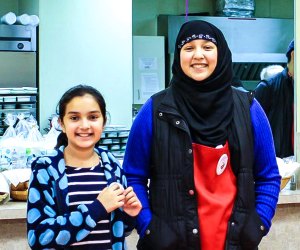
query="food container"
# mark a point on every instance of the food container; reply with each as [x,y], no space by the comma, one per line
[124,134]
[9,98]
[124,140]
[287,169]
[4,197]
[9,106]
[106,141]
[111,134]
[19,195]
[284,182]
[26,106]
[24,98]
[115,147]
[19,192]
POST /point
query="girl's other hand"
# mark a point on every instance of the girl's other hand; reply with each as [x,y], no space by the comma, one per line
[112,197]
[132,205]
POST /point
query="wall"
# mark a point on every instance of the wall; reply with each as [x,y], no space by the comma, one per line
[145,12]
[19,6]
[274,8]
[30,7]
[7,6]
[90,42]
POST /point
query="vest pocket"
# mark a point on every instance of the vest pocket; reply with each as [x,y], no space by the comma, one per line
[253,232]
[159,236]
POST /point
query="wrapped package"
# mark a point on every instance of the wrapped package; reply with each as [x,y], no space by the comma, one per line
[51,136]
[34,136]
[10,120]
[19,149]
[22,128]
[4,190]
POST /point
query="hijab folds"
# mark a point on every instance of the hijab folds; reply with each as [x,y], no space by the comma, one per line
[207,105]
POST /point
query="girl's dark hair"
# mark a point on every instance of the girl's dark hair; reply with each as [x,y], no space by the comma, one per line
[79,90]
[289,57]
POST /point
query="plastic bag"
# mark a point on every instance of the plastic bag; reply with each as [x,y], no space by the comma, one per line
[235,8]
[287,166]
[34,135]
[22,128]
[10,120]
[51,136]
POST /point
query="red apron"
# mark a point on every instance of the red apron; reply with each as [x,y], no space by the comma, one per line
[216,190]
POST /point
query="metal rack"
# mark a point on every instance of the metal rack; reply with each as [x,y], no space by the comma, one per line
[17,103]
[115,141]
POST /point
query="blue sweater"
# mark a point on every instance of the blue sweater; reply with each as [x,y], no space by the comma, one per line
[267,179]
[51,224]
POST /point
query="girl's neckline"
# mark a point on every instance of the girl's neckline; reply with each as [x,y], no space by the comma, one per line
[70,160]
[80,168]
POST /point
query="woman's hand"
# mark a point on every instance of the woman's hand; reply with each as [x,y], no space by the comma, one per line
[112,197]
[132,205]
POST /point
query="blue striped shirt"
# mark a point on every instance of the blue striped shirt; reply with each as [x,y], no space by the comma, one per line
[84,185]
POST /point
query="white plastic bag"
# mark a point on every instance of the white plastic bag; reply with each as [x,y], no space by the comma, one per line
[34,135]
[10,120]
[22,128]
[51,136]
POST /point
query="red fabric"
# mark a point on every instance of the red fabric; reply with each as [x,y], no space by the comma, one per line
[215,194]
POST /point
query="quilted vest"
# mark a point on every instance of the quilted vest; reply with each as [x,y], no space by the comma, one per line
[171,190]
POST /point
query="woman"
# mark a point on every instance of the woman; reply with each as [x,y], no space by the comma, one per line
[208,152]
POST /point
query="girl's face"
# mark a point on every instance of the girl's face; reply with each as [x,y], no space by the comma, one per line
[198,59]
[83,122]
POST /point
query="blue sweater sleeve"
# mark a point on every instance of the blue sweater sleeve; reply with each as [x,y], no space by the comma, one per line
[137,161]
[266,173]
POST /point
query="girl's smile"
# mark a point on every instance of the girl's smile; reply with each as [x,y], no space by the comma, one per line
[83,123]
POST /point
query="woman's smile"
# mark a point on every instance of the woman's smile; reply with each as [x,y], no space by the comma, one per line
[198,59]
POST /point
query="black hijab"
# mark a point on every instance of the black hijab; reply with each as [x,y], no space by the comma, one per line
[206,105]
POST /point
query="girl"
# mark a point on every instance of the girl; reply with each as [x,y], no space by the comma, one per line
[208,151]
[76,197]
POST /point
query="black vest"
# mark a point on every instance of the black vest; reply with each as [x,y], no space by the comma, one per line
[173,202]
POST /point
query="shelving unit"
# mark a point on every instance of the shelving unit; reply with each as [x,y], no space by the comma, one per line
[19,72]
[17,103]
[115,141]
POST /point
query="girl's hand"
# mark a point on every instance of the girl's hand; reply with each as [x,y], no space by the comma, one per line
[112,197]
[132,205]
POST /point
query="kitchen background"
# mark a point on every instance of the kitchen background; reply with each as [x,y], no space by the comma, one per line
[81,42]
[93,42]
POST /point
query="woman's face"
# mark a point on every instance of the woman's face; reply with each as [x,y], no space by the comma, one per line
[198,59]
